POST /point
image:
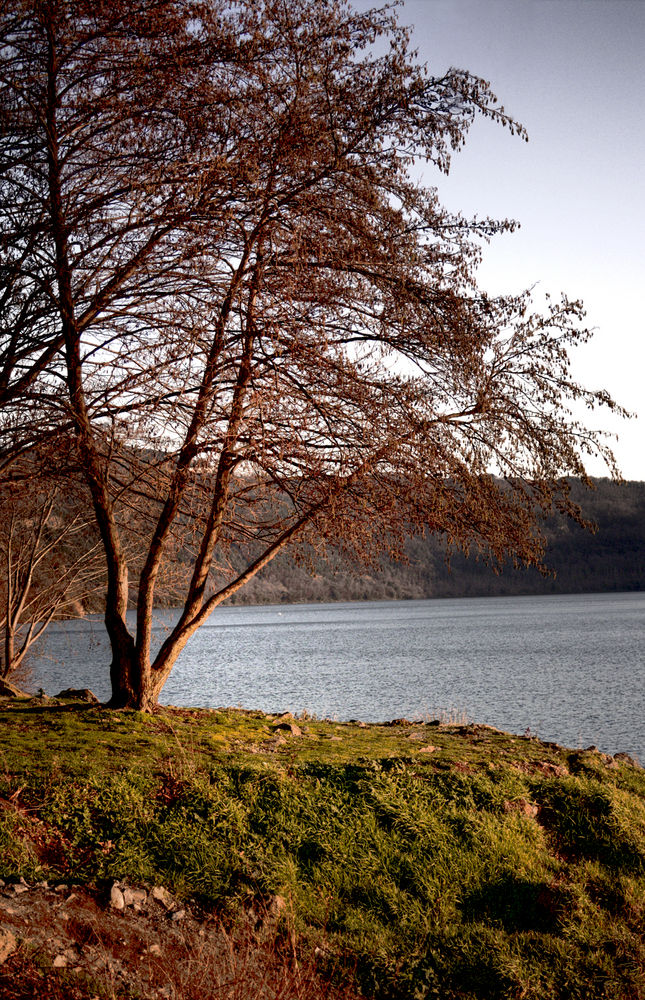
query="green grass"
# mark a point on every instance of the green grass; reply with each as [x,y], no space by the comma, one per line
[425,872]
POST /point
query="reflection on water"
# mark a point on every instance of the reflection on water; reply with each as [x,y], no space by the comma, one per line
[571,668]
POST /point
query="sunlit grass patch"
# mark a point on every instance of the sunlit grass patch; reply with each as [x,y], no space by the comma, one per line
[488,866]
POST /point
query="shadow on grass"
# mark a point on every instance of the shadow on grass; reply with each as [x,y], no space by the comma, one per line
[517,905]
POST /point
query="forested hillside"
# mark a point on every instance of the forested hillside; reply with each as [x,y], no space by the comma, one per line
[612,558]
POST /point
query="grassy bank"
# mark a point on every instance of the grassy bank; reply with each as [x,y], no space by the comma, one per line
[415,860]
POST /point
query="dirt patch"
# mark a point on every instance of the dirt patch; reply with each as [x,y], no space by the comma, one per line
[74,943]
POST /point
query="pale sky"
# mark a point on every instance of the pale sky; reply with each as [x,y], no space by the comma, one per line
[573,72]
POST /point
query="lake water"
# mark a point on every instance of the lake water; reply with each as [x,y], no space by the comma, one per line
[569,668]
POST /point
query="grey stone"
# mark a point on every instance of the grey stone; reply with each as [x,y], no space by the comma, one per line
[522,806]
[177,915]
[288,727]
[555,770]
[162,896]
[626,759]
[79,694]
[134,897]
[117,900]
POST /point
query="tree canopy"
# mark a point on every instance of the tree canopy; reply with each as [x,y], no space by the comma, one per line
[222,276]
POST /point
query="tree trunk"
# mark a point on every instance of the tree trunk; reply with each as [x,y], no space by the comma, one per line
[9,648]
[122,667]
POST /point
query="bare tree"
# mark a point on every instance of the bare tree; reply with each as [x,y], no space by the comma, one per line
[269,333]
[51,563]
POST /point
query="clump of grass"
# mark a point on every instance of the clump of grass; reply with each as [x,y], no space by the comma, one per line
[452,716]
[446,860]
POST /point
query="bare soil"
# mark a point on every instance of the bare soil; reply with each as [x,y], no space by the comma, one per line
[70,942]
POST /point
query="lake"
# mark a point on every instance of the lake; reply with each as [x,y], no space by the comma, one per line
[568,668]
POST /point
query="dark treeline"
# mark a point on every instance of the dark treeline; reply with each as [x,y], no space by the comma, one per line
[578,560]
[611,559]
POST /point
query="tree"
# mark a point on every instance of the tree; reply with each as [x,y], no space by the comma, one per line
[269,333]
[50,560]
